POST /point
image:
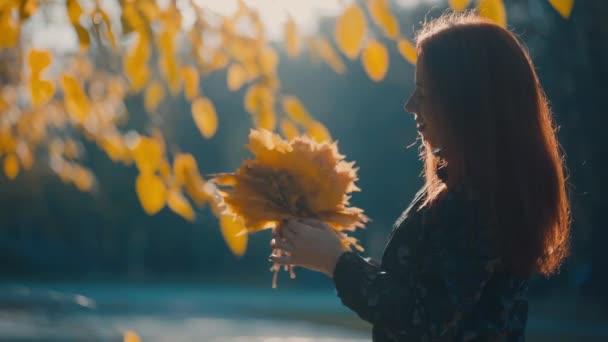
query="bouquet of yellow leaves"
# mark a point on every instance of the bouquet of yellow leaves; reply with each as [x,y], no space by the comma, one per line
[300,178]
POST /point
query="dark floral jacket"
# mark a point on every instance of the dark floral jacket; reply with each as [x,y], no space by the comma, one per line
[439,279]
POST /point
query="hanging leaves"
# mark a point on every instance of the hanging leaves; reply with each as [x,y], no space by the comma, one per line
[375,60]
[350,31]
[153,96]
[75,99]
[292,41]
[459,5]
[322,48]
[151,192]
[205,117]
[563,7]
[179,204]
[236,76]
[493,10]
[11,166]
[191,81]
[407,50]
[382,16]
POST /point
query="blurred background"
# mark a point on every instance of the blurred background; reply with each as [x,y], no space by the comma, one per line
[91,265]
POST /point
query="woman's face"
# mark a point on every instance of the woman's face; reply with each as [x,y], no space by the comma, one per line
[419,104]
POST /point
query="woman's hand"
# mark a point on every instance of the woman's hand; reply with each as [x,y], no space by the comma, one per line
[309,243]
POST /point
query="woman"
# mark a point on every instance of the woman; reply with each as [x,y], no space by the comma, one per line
[493,210]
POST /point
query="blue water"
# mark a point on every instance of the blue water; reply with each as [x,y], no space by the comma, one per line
[187,312]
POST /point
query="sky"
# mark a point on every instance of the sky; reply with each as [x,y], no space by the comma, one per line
[59,35]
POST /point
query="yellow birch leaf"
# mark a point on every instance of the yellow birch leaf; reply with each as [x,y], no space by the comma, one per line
[459,5]
[38,60]
[27,9]
[147,154]
[291,38]
[324,49]
[149,8]
[563,7]
[296,111]
[130,336]
[151,192]
[407,50]
[252,98]
[269,59]
[25,156]
[350,31]
[191,80]
[11,166]
[153,96]
[493,10]
[318,132]
[179,204]
[41,91]
[135,62]
[108,26]
[83,179]
[170,69]
[289,129]
[74,11]
[382,16]
[83,36]
[114,146]
[205,117]
[71,149]
[236,76]
[266,118]
[234,233]
[375,60]
[9,27]
[76,101]
[184,166]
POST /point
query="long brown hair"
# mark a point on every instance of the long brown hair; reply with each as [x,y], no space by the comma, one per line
[498,134]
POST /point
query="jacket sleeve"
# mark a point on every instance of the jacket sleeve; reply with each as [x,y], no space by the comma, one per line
[425,300]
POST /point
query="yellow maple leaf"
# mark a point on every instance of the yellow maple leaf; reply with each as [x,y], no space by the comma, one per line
[350,31]
[299,178]
[375,60]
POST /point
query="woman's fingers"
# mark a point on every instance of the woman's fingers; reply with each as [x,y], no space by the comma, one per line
[281,244]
